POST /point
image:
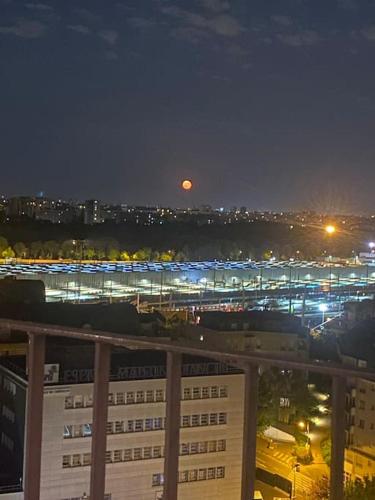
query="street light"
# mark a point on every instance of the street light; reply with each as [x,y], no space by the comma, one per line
[330,229]
[371,246]
[323,308]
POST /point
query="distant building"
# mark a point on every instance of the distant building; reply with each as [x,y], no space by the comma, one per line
[92,212]
[357,348]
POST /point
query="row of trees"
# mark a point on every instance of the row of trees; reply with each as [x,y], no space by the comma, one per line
[82,250]
[356,490]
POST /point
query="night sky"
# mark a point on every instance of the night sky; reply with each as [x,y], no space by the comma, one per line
[267,104]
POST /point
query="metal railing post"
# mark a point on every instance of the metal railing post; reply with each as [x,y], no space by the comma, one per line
[34,418]
[338,438]
[172,426]
[99,423]
[249,432]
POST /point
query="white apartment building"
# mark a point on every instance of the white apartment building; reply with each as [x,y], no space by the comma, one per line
[210,438]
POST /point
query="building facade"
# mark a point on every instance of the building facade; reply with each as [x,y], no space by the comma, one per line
[210,441]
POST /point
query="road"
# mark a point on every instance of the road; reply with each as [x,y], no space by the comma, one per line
[280,460]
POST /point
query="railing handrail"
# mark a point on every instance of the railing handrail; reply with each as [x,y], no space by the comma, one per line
[236,358]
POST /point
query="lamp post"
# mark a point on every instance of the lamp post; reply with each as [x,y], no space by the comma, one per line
[323,308]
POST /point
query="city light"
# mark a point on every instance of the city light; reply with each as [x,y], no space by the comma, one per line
[330,229]
[371,245]
[323,308]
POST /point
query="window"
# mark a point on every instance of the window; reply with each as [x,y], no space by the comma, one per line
[222,418]
[186,421]
[111,399]
[128,455]
[156,452]
[204,419]
[221,445]
[148,424]
[119,426]
[371,427]
[211,473]
[117,456]
[9,386]
[184,449]
[68,402]
[220,472]
[187,393]
[195,420]
[108,457]
[140,397]
[109,427]
[76,462]
[137,454]
[205,392]
[120,398]
[157,479]
[203,447]
[130,426]
[139,425]
[213,418]
[77,430]
[87,431]
[78,401]
[147,452]
[7,441]
[88,401]
[223,391]
[68,431]
[202,474]
[150,396]
[214,392]
[212,446]
[86,459]
[193,475]
[66,461]
[196,393]
[130,398]
[159,395]
[361,424]
[194,447]
[184,476]
[158,423]
[361,405]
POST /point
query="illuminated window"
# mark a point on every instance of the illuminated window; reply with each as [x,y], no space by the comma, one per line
[202,474]
[66,461]
[211,473]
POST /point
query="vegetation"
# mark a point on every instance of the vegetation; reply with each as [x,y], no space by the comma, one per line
[325,447]
[171,240]
[357,490]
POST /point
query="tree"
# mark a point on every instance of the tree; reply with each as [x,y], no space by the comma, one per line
[36,249]
[113,254]
[8,253]
[50,249]
[354,490]
[143,254]
[3,244]
[20,250]
[125,256]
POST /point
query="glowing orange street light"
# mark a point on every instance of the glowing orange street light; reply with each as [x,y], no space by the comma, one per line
[330,229]
[186,185]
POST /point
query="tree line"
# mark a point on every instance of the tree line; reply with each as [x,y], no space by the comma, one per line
[82,250]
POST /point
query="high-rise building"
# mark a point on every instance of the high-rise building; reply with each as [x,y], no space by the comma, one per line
[92,212]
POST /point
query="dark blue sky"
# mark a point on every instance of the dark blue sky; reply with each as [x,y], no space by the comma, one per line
[268,104]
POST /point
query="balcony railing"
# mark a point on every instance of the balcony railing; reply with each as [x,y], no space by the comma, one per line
[248,362]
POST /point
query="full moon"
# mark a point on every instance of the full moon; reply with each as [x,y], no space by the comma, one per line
[187,185]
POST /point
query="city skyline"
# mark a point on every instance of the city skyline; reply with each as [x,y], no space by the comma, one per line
[261,105]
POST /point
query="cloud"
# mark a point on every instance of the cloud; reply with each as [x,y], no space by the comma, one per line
[224,24]
[305,37]
[189,34]
[369,32]
[216,5]
[39,6]
[348,4]
[282,20]
[141,22]
[109,36]
[111,55]
[24,29]
[79,28]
